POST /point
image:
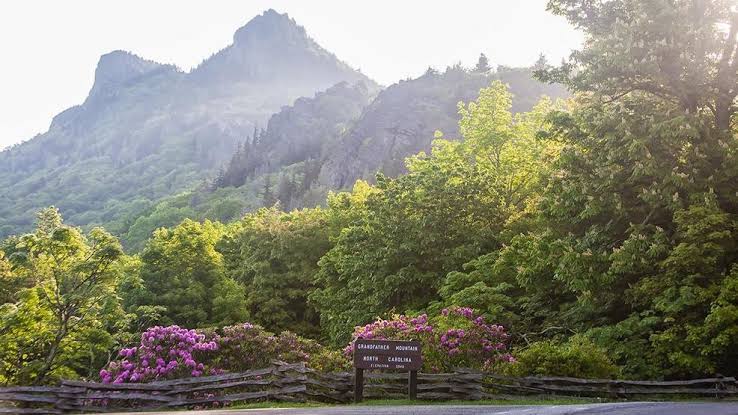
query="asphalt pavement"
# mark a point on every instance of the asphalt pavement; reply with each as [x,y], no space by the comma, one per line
[626,408]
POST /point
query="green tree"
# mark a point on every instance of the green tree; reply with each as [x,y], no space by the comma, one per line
[182,271]
[267,194]
[451,207]
[9,284]
[75,277]
[482,64]
[275,255]
[636,225]
[684,52]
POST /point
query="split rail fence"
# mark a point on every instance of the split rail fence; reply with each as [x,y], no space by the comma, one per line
[296,383]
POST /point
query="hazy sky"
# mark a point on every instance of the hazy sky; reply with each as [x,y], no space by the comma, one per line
[50,48]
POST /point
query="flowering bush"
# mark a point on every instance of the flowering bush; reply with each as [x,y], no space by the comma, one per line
[175,352]
[164,352]
[455,338]
[246,346]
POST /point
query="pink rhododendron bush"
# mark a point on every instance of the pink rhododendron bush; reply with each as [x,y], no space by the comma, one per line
[175,352]
[457,338]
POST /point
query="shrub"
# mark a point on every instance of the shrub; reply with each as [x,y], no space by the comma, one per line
[455,338]
[175,352]
[247,346]
[578,357]
[327,361]
[164,352]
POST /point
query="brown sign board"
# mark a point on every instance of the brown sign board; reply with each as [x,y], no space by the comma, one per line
[387,355]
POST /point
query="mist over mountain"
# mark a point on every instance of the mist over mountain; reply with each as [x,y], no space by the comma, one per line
[327,141]
[273,117]
[149,130]
[403,119]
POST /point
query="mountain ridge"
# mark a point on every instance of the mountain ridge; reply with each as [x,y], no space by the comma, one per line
[147,129]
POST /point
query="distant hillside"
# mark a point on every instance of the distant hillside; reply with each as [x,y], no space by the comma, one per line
[328,141]
[147,130]
[403,118]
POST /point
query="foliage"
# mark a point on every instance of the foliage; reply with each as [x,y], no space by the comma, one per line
[174,352]
[275,255]
[10,285]
[636,227]
[451,207]
[683,52]
[182,271]
[577,357]
[614,215]
[62,324]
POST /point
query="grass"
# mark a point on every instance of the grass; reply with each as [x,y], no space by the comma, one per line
[512,401]
[558,400]
[272,404]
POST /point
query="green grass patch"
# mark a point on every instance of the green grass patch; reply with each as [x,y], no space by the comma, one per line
[553,400]
[273,404]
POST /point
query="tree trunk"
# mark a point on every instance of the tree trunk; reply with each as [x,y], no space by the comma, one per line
[53,352]
[723,114]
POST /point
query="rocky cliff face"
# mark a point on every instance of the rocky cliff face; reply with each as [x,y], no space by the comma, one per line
[298,134]
[403,118]
[148,130]
[312,126]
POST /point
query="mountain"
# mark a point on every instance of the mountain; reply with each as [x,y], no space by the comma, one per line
[298,133]
[286,157]
[403,119]
[148,130]
[327,141]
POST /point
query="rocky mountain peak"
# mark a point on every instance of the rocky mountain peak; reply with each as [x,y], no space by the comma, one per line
[119,67]
[268,28]
[272,47]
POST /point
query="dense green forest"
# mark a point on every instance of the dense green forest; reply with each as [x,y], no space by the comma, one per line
[597,233]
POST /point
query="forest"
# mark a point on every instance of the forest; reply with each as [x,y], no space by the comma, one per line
[593,236]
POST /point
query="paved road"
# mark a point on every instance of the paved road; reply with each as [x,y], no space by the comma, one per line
[629,408]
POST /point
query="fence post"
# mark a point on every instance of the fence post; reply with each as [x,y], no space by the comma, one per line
[412,385]
[358,385]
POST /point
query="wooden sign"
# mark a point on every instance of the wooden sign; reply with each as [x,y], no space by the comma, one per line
[387,355]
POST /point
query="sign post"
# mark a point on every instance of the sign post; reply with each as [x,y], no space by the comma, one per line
[387,355]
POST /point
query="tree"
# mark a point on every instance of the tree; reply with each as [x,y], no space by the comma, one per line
[275,255]
[482,64]
[684,52]
[633,240]
[9,284]
[451,207]
[267,195]
[76,277]
[286,191]
[182,271]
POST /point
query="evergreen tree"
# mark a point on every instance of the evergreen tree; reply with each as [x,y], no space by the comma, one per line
[286,191]
[267,195]
[220,179]
[482,64]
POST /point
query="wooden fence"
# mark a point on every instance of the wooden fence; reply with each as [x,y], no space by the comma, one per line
[296,383]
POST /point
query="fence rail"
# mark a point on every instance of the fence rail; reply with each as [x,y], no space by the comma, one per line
[296,383]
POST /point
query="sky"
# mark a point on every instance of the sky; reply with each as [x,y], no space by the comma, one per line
[50,48]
